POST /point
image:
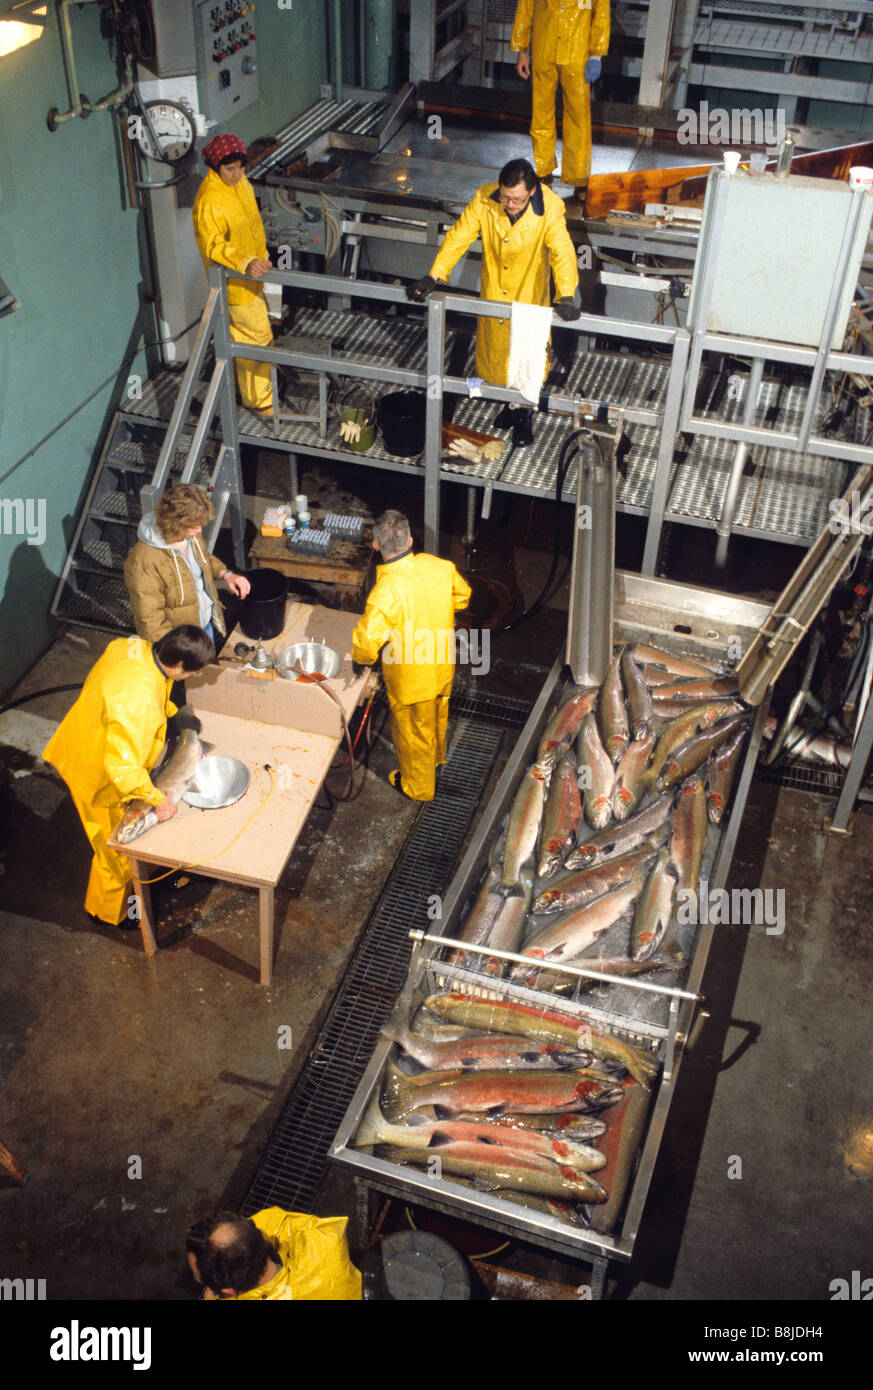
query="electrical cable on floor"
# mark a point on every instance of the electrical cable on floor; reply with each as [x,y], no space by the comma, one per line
[35,694]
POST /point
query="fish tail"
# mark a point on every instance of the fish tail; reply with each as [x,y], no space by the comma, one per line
[396,1089]
[372,1127]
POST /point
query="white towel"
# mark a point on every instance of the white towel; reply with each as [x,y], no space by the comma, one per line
[528,342]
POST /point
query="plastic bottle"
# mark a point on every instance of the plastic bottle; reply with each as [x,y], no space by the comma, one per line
[303,520]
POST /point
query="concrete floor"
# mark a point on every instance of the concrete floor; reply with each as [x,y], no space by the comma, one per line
[106,1059]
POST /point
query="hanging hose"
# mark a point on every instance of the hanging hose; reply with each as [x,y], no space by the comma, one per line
[570,443]
[35,694]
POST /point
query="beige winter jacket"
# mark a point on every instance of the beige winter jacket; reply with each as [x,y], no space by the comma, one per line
[162,591]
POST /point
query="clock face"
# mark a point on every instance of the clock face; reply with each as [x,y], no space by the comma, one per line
[174,129]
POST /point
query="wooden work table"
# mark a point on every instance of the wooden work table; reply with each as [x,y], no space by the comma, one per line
[287,734]
[348,566]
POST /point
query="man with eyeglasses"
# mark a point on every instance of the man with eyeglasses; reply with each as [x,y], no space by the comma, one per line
[523,229]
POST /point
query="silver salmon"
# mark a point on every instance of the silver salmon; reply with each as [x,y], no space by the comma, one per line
[496,1092]
[693,754]
[720,775]
[630,780]
[597,774]
[713,688]
[563,812]
[616,840]
[639,697]
[688,724]
[524,825]
[613,715]
[689,832]
[486,1052]
[505,1016]
[563,940]
[173,780]
[654,910]
[505,1171]
[580,888]
[679,665]
[563,727]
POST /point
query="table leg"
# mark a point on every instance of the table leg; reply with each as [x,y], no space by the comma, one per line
[144,905]
[266,922]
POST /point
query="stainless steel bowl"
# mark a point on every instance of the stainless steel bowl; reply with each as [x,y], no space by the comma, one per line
[218,782]
[313,658]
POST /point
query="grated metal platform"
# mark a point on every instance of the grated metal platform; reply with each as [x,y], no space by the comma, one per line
[292,1167]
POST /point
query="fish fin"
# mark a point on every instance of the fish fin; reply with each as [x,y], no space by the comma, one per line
[395,1090]
[371,1126]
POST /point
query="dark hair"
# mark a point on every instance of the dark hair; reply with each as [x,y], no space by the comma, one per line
[391,533]
[238,1260]
[186,646]
[518,171]
[235,157]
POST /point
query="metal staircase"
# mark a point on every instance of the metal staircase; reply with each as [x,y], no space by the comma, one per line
[138,460]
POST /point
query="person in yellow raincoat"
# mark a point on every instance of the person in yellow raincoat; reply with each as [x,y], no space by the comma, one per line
[523,229]
[274,1256]
[228,229]
[564,41]
[106,745]
[410,613]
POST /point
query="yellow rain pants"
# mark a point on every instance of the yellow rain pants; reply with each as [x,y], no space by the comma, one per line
[566,33]
[410,619]
[228,229]
[516,260]
[103,749]
[315,1258]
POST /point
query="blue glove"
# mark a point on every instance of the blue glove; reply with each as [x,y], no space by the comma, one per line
[592,70]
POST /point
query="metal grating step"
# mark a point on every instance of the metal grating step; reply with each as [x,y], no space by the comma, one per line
[101,602]
[293,1165]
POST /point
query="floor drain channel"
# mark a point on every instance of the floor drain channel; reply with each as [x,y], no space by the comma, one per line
[293,1164]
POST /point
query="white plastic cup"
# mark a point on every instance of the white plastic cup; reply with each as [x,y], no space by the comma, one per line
[757,163]
[299,503]
[731,161]
[860,177]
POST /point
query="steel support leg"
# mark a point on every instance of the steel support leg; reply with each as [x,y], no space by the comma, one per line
[855,771]
[666,450]
[436,352]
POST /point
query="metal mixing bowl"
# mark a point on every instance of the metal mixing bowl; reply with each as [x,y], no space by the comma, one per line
[312,657]
[218,782]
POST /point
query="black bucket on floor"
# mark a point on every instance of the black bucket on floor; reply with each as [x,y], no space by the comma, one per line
[262,611]
[401,416]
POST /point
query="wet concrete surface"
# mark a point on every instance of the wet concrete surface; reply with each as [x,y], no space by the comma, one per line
[140,1094]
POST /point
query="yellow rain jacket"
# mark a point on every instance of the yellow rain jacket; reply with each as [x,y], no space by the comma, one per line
[314,1255]
[516,258]
[566,33]
[104,749]
[411,614]
[228,229]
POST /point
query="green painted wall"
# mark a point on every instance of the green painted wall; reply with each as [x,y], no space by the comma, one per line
[69,250]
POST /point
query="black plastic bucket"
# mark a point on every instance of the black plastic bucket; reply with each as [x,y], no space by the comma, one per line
[262,611]
[401,416]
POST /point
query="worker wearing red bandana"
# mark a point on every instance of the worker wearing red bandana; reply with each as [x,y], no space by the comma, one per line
[228,229]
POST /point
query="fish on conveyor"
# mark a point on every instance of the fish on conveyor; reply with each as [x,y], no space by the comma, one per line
[507,932]
[567,1124]
[653,677]
[495,1092]
[693,754]
[580,888]
[486,1052]
[561,817]
[711,688]
[492,1170]
[173,780]
[375,1129]
[667,710]
[639,698]
[596,773]
[563,727]
[689,723]
[631,783]
[571,1213]
[617,840]
[568,937]
[721,773]
[613,715]
[679,665]
[509,1016]
[654,909]
[689,832]
[671,958]
[524,826]
[483,914]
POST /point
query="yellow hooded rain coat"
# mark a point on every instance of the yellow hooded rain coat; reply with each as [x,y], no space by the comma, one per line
[315,1259]
[516,259]
[104,749]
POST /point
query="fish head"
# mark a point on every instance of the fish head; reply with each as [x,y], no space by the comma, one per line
[132,826]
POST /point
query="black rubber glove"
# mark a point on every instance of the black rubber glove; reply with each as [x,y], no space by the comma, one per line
[419,290]
[566,309]
[358,668]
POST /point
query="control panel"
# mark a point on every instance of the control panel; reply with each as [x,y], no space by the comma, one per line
[227,50]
